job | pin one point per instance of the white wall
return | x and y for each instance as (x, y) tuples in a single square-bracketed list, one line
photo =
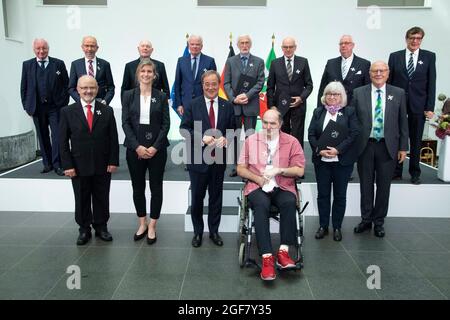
[(121, 25)]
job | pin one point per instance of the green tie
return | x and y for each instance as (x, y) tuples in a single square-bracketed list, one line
[(378, 119)]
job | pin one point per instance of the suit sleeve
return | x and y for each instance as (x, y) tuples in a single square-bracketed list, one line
[(259, 82), (403, 123), (308, 82), (110, 88), (127, 120), (165, 125), (187, 123), (177, 85), (366, 71), (164, 82), (64, 137), (272, 79), (65, 84), (125, 81), (73, 83), (431, 90), (391, 64), (114, 141), (227, 81), (24, 85), (213, 65), (312, 130), (323, 84)]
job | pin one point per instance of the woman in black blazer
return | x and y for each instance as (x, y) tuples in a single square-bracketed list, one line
[(334, 164), (146, 123)]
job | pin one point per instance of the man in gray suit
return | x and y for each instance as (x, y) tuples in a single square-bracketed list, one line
[(381, 111), (243, 81)]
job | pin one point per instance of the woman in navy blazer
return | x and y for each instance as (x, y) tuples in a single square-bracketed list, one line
[(146, 123), (333, 165)]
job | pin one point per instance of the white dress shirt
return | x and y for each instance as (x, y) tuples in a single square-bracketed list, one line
[(145, 109)]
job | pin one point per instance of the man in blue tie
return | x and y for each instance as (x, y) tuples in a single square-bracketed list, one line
[(383, 141), (414, 70)]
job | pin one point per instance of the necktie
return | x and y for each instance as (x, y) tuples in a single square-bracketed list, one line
[(42, 62), (378, 119), (411, 65), (289, 69), (212, 116), (91, 69), (90, 116), (194, 68), (344, 69), (244, 62)]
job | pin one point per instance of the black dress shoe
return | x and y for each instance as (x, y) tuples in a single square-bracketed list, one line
[(47, 169), (321, 232), (83, 238), (397, 178), (233, 173), (362, 227), (59, 172), (104, 235), (141, 236), (378, 231), (197, 240), (151, 241), (216, 239), (337, 235), (416, 180)]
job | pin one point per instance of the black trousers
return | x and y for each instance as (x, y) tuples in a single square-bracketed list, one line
[(375, 165), (294, 123), (332, 174), (44, 118), (285, 201), (213, 181), (138, 171), (92, 201), (416, 124)]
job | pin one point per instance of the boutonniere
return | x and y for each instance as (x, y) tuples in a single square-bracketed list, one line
[(58, 72), (99, 113), (340, 114), (390, 98), (353, 69), (251, 65), (153, 100), (297, 71), (420, 62)]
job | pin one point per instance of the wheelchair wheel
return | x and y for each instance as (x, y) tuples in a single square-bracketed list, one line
[(242, 254)]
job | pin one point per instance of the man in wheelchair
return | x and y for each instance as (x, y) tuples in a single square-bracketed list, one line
[(271, 160)]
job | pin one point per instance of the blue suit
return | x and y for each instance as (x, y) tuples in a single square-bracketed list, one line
[(185, 86), (103, 76), (205, 176), (43, 102)]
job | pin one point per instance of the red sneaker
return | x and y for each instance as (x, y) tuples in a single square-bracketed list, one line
[(284, 261), (268, 270)]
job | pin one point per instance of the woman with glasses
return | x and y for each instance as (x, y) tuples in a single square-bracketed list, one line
[(332, 133)]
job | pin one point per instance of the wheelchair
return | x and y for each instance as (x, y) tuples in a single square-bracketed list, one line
[(246, 229)]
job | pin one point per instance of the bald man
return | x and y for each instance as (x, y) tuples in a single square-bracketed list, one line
[(95, 67), (145, 50), (43, 91)]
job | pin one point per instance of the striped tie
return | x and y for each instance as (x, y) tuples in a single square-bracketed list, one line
[(344, 69), (91, 69), (411, 66), (378, 131), (289, 69)]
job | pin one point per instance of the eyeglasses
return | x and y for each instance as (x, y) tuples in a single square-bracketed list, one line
[(331, 94), (415, 38), (345, 43), (378, 71), (288, 47), (87, 88)]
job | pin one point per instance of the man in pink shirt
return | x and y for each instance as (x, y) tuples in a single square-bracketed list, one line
[(271, 160)]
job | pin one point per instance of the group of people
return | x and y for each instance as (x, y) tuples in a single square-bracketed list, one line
[(375, 108)]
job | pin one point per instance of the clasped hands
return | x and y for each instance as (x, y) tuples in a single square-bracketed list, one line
[(267, 175), (241, 99), (213, 142), (329, 153), (146, 153)]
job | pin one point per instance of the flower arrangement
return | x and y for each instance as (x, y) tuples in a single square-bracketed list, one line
[(442, 123)]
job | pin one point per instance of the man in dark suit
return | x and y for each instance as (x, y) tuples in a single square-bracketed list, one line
[(161, 83), (189, 71), (288, 86), (205, 122), (94, 67), (383, 141), (89, 154), (243, 81), (43, 90), (349, 69), (414, 70)]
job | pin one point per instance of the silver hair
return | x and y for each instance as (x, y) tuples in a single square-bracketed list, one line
[(336, 87)]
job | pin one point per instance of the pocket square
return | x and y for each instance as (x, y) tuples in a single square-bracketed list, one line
[(359, 72)]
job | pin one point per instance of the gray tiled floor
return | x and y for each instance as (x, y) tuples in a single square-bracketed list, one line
[(36, 249)]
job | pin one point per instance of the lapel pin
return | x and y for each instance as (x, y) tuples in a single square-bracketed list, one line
[(58, 72), (99, 112), (204, 70), (153, 100), (340, 114), (420, 62), (297, 71), (250, 65), (390, 98), (353, 69), (98, 68)]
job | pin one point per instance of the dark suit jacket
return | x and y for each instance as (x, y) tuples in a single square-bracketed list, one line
[(348, 153), (357, 76), (56, 86), (421, 89), (103, 76), (278, 82), (233, 70), (186, 88), (129, 77), (197, 112), (159, 118), (395, 118), (89, 153)]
